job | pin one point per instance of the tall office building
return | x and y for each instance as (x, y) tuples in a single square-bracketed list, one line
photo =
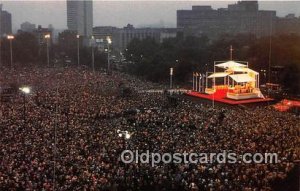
[(5, 22), (80, 17), (27, 27), (241, 17)]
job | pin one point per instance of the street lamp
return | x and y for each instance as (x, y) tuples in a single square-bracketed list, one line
[(10, 38), (93, 55), (78, 62), (25, 90), (47, 37), (265, 75), (171, 74), (109, 41), (171, 78), (0, 52)]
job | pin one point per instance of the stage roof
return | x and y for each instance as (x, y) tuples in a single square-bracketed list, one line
[(230, 64), (242, 78), (218, 75), (236, 69), (249, 70), (241, 69)]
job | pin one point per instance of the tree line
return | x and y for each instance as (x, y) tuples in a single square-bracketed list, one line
[(152, 60), (27, 51)]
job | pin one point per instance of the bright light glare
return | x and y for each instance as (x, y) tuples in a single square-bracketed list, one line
[(25, 90), (47, 36), (10, 37), (127, 136), (108, 40)]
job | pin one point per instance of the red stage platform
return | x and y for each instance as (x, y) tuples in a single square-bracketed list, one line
[(286, 104), (222, 99)]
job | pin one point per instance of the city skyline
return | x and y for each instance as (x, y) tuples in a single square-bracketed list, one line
[(120, 13)]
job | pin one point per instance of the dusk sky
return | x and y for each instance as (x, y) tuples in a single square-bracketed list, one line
[(120, 13)]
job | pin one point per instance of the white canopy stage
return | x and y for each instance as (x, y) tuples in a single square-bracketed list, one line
[(240, 82), (248, 70)]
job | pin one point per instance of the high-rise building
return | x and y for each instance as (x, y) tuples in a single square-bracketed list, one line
[(5, 22), (80, 17), (40, 34), (240, 18), (121, 37), (290, 24), (27, 27), (125, 35)]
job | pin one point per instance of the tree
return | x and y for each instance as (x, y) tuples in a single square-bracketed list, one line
[(291, 78), (24, 47), (197, 54)]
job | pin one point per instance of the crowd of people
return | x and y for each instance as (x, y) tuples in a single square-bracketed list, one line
[(63, 135)]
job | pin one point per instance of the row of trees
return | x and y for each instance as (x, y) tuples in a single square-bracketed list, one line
[(152, 60), (67, 45), (28, 51), (25, 50)]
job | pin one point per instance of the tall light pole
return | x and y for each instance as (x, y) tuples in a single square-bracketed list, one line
[(25, 90), (0, 51), (78, 60), (10, 38), (108, 62), (171, 78), (93, 56), (47, 37)]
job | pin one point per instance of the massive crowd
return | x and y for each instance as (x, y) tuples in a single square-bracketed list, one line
[(68, 140)]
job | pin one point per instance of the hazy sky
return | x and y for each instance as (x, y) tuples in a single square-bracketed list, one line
[(120, 13)]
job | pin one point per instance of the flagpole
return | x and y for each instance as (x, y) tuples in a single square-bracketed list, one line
[(200, 77), (202, 82), (193, 80), (206, 80), (196, 81)]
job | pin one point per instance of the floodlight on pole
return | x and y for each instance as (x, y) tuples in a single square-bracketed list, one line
[(93, 54), (47, 37), (109, 41), (78, 58), (171, 78), (10, 38), (25, 90)]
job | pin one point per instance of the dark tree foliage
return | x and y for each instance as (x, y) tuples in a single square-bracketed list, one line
[(152, 60), (68, 46), (25, 50)]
